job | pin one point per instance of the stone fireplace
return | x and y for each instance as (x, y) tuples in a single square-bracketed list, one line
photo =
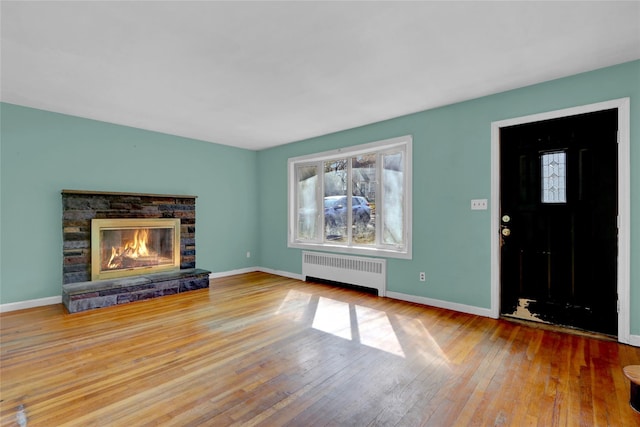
[(124, 247)]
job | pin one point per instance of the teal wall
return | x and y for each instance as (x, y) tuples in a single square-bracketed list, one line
[(451, 166), (43, 153), (242, 195)]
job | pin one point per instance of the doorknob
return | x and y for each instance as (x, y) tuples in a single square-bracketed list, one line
[(504, 228)]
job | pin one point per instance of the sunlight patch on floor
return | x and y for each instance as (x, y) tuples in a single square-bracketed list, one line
[(333, 317), (425, 345), (376, 331), (365, 325), (295, 304)]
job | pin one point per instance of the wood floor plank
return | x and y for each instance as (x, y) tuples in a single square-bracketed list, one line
[(263, 350)]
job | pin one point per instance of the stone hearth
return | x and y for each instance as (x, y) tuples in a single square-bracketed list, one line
[(83, 296)]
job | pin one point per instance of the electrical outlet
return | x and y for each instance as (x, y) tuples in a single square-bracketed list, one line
[(479, 204), (423, 277), (248, 254)]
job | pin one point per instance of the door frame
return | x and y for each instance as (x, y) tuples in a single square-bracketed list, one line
[(624, 203)]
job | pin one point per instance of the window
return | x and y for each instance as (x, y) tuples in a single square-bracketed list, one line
[(553, 167), (355, 200)]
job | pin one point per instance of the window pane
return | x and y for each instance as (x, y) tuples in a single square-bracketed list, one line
[(307, 177), (363, 184), (393, 199), (554, 177), (336, 215)]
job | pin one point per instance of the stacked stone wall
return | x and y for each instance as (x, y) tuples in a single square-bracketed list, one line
[(80, 207)]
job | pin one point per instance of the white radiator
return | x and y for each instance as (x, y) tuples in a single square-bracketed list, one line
[(352, 270)]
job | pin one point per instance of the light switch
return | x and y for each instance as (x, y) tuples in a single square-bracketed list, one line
[(479, 204)]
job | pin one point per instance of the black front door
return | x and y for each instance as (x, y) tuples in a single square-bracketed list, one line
[(559, 220)]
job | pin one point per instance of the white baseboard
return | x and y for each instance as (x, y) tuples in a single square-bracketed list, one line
[(20, 305), (634, 340), (252, 269), (232, 272), (281, 273), (463, 308)]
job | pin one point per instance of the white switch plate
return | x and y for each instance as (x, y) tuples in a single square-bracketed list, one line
[(479, 204)]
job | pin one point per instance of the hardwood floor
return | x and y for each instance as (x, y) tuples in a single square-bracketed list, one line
[(258, 349)]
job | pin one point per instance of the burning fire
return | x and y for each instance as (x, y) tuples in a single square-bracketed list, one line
[(137, 248)]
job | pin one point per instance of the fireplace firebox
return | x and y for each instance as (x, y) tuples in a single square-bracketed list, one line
[(122, 247)]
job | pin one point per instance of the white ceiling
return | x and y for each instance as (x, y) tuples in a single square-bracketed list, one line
[(260, 74)]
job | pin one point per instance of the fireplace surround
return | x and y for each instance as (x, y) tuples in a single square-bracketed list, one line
[(80, 207), (149, 250)]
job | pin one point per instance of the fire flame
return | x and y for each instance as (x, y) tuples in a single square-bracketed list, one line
[(132, 249), (139, 245)]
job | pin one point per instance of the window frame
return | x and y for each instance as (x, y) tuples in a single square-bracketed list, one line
[(387, 146)]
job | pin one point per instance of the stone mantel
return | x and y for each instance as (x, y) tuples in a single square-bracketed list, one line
[(115, 193)]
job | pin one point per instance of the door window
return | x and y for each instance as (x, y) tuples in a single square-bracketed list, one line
[(554, 188)]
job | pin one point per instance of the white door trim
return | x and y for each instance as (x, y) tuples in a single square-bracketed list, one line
[(624, 200)]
